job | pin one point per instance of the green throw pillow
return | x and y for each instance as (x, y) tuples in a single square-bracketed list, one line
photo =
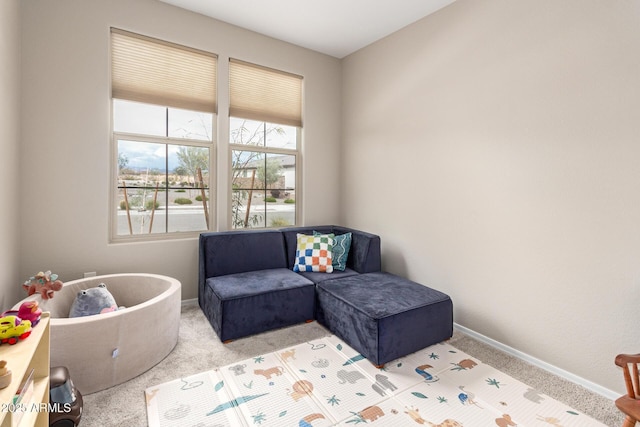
[(341, 246)]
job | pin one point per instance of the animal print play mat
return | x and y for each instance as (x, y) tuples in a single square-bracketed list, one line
[(327, 383)]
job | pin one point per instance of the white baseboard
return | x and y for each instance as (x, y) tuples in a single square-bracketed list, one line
[(605, 392), (189, 302)]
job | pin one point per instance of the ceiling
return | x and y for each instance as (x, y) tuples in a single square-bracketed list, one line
[(333, 27)]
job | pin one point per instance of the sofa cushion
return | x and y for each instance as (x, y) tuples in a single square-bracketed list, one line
[(321, 277), (314, 253), (230, 252), (248, 303), (251, 283)]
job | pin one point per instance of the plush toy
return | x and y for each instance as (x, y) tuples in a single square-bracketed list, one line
[(43, 283), (28, 310), (93, 301)]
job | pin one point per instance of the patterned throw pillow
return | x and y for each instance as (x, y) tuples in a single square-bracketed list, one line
[(314, 253), (341, 246)]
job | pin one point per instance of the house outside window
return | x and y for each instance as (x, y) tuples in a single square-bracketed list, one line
[(163, 115), (265, 125)]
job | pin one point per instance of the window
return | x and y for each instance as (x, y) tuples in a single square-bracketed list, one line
[(264, 136), (164, 107)]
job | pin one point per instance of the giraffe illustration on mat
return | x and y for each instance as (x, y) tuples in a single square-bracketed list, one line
[(414, 414)]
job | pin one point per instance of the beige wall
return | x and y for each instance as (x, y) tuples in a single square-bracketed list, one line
[(494, 146), (66, 133), (10, 289)]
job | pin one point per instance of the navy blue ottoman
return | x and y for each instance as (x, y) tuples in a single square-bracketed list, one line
[(384, 316)]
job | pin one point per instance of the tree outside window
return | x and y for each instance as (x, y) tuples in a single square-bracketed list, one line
[(264, 158)]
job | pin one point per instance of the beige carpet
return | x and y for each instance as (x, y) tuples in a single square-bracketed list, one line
[(200, 350)]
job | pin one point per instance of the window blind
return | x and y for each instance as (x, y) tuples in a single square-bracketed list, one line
[(264, 94), (153, 71)]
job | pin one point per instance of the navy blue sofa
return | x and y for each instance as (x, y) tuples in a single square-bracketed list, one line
[(247, 285)]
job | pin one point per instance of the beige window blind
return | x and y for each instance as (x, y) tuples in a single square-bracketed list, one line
[(153, 71), (265, 94)]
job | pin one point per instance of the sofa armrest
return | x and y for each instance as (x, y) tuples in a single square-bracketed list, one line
[(364, 255)]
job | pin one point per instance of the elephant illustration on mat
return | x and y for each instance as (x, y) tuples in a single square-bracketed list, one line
[(349, 376), (382, 383)]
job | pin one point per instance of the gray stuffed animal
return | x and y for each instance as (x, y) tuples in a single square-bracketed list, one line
[(93, 301)]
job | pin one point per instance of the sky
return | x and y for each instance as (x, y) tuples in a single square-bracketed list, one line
[(145, 119)]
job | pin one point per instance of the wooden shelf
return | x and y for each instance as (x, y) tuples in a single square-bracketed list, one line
[(30, 353)]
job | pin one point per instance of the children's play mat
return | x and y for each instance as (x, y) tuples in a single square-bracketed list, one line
[(327, 383)]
